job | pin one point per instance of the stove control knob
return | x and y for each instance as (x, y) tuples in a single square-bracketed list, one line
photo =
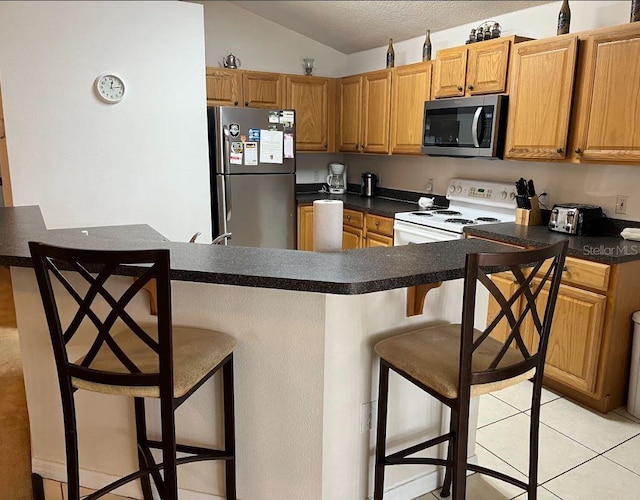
[(503, 195), (512, 196), (452, 188), (459, 190)]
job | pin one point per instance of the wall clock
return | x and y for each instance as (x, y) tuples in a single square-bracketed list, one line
[(110, 88)]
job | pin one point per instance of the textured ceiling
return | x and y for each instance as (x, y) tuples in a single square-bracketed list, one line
[(352, 26)]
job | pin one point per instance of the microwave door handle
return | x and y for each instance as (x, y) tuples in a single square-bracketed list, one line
[(474, 126)]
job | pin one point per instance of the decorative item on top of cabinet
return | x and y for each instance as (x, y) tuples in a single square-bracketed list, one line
[(564, 18), (313, 99), (607, 108), (234, 87), (391, 55), (231, 62), (426, 47), (364, 107), (479, 68), (635, 11), (410, 88), (308, 65), (537, 128)]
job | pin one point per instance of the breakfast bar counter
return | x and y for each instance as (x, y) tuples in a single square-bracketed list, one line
[(305, 323)]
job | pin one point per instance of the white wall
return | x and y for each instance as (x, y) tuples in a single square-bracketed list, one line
[(84, 162), (597, 184), (263, 45)]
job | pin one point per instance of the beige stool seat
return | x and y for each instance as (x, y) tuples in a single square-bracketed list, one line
[(195, 353), (432, 356)]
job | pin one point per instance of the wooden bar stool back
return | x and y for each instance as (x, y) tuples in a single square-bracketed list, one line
[(126, 358), (454, 363)]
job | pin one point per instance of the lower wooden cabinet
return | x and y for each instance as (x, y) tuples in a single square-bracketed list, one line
[(589, 351), (305, 227), (359, 230)]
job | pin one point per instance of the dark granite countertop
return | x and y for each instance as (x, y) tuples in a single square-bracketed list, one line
[(351, 272), (375, 205), (605, 249)]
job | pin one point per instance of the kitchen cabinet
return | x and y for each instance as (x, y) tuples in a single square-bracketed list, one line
[(363, 112), (352, 229), (607, 117), (313, 99), (540, 94), (379, 231), (305, 227), (589, 349), (478, 68), (410, 88), (233, 87)]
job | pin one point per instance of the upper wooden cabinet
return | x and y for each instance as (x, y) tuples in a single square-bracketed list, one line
[(540, 92), (363, 112), (479, 68), (232, 87), (313, 99), (410, 88), (608, 101)]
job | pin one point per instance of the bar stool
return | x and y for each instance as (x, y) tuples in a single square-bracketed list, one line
[(126, 358), (456, 362)]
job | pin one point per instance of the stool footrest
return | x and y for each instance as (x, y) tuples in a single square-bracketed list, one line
[(195, 450), (497, 475), (420, 446)]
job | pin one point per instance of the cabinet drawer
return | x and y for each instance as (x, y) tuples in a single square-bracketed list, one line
[(378, 224), (353, 218), (584, 273)]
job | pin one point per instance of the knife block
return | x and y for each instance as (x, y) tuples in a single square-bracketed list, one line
[(529, 216)]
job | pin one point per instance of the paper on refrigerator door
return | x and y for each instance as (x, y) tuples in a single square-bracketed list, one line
[(271, 146), (288, 146), (250, 153)]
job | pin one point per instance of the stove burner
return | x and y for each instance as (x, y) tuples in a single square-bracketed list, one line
[(459, 221), (448, 212), (487, 219), (423, 214)]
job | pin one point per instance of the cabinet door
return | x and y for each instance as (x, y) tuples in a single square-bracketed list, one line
[(349, 110), (377, 240), (541, 89), (487, 67), (309, 96), (410, 88), (224, 87), (576, 334), (351, 237), (450, 72), (305, 228), (609, 123), (376, 89), (262, 90)]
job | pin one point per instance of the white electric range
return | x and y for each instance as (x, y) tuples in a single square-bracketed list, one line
[(471, 203)]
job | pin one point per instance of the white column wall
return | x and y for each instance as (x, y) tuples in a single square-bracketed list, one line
[(143, 160)]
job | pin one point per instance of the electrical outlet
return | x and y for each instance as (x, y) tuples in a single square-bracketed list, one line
[(621, 204), (544, 196), (367, 415), (316, 176)]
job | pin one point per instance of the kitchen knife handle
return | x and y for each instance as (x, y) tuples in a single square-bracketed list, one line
[(474, 127)]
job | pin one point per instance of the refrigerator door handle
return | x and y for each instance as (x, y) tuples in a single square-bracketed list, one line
[(224, 151), (225, 203)]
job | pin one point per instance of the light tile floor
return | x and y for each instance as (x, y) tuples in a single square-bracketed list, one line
[(584, 455)]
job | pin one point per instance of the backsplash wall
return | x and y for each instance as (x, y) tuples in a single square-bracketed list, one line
[(565, 182)]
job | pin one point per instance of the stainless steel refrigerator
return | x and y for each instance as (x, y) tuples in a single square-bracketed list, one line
[(252, 171)]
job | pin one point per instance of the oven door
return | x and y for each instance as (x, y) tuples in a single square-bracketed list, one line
[(406, 233)]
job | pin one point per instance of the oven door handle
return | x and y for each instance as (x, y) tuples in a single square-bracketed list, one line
[(475, 126)]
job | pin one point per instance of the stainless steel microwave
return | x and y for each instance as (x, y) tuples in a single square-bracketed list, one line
[(465, 127)]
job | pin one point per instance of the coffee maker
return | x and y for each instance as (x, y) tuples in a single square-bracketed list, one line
[(337, 178)]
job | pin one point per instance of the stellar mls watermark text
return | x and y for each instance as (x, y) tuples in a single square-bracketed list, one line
[(611, 251)]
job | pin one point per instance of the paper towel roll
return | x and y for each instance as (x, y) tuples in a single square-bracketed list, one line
[(327, 226)]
